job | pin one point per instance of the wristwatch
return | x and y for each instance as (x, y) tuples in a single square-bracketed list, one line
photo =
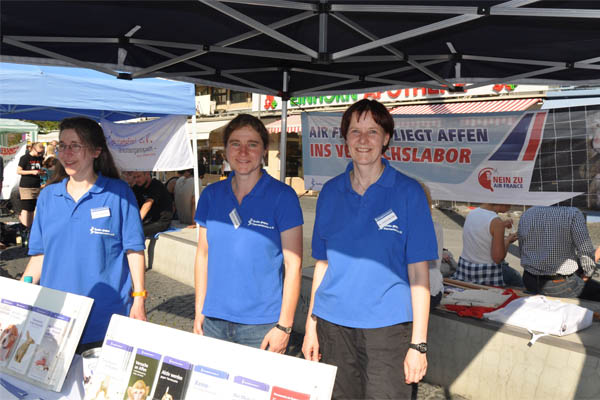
[(283, 328), (421, 347)]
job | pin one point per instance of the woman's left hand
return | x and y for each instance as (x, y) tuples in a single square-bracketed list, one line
[(275, 340), (138, 309), (415, 366)]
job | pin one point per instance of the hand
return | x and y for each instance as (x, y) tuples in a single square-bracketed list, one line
[(138, 309), (198, 323), (275, 340), (508, 223), (415, 366), (310, 346), (512, 237)]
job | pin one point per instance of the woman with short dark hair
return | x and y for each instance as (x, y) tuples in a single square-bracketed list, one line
[(372, 238), (249, 255)]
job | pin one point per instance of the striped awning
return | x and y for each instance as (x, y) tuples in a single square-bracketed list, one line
[(471, 107), (293, 125)]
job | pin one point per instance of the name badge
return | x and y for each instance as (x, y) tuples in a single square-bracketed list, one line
[(235, 218), (386, 218), (100, 212)]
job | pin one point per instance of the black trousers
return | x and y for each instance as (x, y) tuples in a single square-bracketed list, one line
[(370, 361)]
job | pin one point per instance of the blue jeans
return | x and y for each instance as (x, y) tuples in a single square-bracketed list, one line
[(568, 286), (510, 276), (249, 335)]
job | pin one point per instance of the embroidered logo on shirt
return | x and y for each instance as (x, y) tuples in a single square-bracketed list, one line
[(260, 224), (392, 227), (100, 231)]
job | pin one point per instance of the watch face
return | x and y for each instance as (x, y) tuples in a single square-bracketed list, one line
[(421, 347)]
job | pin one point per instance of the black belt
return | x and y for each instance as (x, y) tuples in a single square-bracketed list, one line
[(556, 277)]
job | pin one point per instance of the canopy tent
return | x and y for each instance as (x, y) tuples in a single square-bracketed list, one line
[(53, 93), (16, 126), (295, 48)]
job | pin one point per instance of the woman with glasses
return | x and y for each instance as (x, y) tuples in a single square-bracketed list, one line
[(87, 234), (249, 255)]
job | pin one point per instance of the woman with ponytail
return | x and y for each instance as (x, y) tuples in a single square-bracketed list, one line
[(87, 234)]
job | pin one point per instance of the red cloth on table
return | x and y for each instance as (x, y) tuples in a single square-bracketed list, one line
[(478, 311)]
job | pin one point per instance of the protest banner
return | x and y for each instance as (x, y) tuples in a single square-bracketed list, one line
[(472, 157)]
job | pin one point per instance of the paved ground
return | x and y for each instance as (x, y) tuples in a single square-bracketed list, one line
[(171, 303)]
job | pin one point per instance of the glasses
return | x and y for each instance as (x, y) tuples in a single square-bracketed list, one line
[(74, 147)]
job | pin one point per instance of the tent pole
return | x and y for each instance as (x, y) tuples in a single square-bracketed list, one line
[(195, 150), (283, 135)]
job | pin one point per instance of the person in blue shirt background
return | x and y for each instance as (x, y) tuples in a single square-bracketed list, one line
[(250, 231), (372, 239), (87, 234)]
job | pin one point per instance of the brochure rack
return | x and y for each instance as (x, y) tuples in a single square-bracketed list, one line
[(157, 362), (39, 332)]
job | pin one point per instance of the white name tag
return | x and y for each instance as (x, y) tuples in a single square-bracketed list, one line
[(386, 218), (100, 212), (235, 218)]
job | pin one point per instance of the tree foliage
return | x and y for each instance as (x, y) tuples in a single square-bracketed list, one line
[(46, 126)]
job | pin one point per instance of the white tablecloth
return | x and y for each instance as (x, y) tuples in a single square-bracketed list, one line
[(72, 388)]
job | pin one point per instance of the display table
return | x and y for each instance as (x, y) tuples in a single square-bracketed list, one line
[(72, 388)]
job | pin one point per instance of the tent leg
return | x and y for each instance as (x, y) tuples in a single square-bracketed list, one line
[(195, 150), (283, 138)]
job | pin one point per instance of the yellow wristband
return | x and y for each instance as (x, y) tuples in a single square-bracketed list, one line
[(143, 293)]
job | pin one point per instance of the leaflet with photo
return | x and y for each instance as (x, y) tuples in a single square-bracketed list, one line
[(172, 379), (143, 372), (14, 314), (44, 359), (110, 375), (31, 337)]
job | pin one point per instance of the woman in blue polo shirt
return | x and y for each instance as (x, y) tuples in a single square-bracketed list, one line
[(250, 234), (87, 235), (372, 238)]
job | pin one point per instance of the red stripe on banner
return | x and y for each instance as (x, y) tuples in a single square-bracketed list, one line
[(536, 137)]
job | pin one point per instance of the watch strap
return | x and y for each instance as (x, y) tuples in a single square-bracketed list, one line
[(283, 328), (420, 347)]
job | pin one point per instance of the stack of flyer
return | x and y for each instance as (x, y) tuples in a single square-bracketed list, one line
[(39, 332), (141, 360)]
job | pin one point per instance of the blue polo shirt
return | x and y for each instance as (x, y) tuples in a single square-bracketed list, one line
[(84, 245), (368, 242), (245, 274)]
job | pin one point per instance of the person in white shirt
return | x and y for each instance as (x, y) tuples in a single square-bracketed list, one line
[(485, 246)]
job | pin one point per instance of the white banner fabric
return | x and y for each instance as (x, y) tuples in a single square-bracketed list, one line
[(157, 145), (10, 157), (477, 158)]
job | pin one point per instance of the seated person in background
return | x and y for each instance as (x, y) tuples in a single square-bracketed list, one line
[(484, 248), (170, 183), (557, 253), (436, 280), (185, 202), (156, 205)]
